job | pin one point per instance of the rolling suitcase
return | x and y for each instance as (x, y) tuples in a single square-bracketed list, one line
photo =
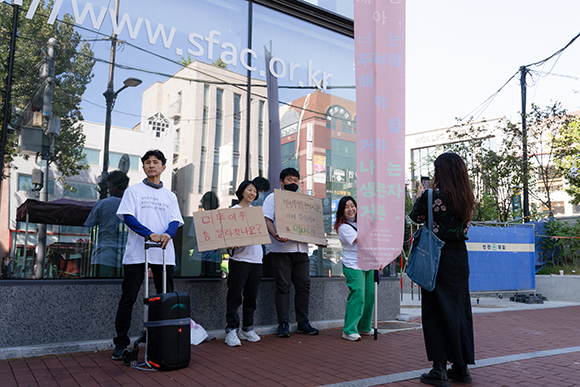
[(166, 328), (168, 342)]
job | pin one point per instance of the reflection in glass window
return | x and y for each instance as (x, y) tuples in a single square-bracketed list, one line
[(236, 152), (25, 184), (288, 155), (205, 119), (115, 158), (218, 139), (80, 191), (260, 138), (341, 7), (93, 156), (343, 154), (158, 124)]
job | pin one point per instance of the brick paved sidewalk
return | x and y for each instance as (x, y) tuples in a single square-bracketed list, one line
[(516, 336)]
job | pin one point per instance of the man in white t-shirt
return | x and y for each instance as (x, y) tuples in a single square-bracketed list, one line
[(150, 211), (290, 263)]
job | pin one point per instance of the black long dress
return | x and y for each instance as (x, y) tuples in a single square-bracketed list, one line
[(446, 311)]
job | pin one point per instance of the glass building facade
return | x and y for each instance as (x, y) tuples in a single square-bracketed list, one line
[(206, 67)]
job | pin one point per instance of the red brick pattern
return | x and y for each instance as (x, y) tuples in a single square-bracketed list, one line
[(305, 360)]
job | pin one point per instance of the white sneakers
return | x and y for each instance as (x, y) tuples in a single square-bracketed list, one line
[(352, 337), (249, 335), (233, 337), (369, 333)]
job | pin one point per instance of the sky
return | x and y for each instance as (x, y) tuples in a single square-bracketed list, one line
[(460, 53)]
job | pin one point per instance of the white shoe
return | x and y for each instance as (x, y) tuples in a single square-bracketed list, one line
[(249, 335), (352, 337), (369, 333), (232, 339)]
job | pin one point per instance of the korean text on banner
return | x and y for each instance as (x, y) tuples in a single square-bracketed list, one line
[(228, 228), (299, 217), (379, 37)]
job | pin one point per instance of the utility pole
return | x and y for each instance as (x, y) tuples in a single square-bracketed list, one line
[(109, 99), (526, 204), (6, 120), (46, 73), (249, 94)]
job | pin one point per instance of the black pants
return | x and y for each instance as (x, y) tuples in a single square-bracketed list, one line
[(243, 279), (131, 285), (291, 268), (446, 311)]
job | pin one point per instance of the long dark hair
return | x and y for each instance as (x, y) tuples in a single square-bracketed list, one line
[(340, 218), (452, 179)]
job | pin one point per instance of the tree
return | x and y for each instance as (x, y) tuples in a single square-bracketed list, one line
[(567, 141), (494, 166), (544, 128), (496, 170), (73, 71)]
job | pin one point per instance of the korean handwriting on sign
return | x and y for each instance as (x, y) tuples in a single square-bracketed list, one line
[(233, 232)]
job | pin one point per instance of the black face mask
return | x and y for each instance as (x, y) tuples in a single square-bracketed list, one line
[(291, 187)]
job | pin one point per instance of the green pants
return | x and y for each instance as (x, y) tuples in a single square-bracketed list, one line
[(361, 298)]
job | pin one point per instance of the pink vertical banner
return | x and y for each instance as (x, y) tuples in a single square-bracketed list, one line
[(379, 37)]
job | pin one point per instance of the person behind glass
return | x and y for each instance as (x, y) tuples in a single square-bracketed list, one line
[(361, 297), (108, 252), (151, 212), (263, 186), (245, 273), (290, 263), (446, 311)]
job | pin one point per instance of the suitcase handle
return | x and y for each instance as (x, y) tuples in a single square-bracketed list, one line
[(149, 245)]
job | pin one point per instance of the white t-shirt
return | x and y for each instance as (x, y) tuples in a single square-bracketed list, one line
[(346, 236), (269, 209), (250, 254), (154, 209)]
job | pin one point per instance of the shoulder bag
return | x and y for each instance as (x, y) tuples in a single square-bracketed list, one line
[(425, 252)]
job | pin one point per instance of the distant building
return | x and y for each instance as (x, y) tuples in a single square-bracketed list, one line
[(19, 186), (207, 108), (423, 147)]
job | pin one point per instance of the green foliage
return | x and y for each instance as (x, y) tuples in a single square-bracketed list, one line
[(495, 172), (544, 125), (567, 269), (186, 61), (219, 63), (561, 245), (498, 173), (567, 141), (73, 71)]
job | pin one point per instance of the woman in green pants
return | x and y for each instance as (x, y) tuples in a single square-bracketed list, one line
[(360, 301)]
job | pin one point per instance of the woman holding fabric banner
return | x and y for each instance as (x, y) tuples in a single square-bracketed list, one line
[(446, 311), (245, 274), (361, 296)]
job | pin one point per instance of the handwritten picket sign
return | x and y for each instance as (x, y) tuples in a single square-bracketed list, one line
[(299, 217), (232, 227)]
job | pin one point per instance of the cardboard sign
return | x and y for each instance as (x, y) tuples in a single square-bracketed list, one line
[(232, 227), (299, 217)]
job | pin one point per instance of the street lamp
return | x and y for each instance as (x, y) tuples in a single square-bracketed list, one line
[(110, 97)]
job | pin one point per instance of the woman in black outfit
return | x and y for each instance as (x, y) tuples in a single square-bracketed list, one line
[(446, 311)]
